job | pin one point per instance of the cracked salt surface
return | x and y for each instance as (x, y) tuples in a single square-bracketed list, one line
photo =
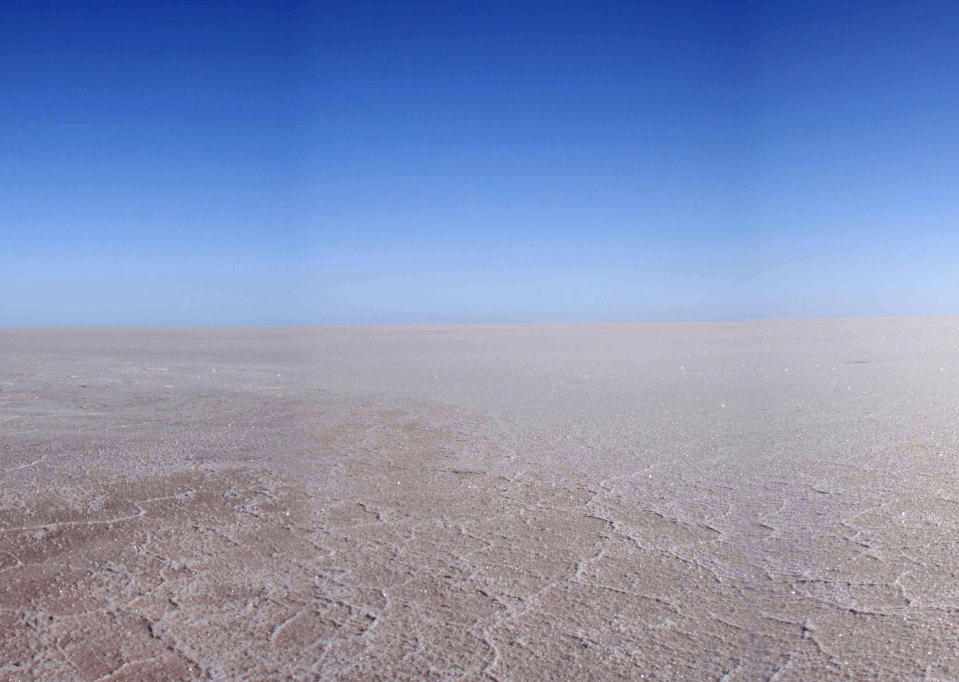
[(499, 502)]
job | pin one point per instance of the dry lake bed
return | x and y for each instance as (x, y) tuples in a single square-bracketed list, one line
[(740, 501)]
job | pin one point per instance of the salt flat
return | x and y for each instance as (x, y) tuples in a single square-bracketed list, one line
[(591, 501)]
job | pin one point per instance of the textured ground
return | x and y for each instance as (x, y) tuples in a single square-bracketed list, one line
[(677, 501)]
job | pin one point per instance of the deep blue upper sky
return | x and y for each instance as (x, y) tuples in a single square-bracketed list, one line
[(249, 163)]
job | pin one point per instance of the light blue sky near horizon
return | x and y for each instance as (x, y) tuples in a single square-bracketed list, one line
[(300, 163)]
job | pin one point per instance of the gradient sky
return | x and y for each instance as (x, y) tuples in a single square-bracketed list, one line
[(296, 162)]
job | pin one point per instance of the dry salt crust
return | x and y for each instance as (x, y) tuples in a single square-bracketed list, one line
[(774, 499)]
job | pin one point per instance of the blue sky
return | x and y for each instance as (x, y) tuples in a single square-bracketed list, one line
[(283, 163)]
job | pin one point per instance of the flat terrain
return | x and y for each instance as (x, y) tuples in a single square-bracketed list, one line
[(675, 501)]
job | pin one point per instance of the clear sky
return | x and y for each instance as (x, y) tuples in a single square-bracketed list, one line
[(296, 162)]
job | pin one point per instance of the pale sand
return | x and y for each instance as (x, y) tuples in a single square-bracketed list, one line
[(680, 501)]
